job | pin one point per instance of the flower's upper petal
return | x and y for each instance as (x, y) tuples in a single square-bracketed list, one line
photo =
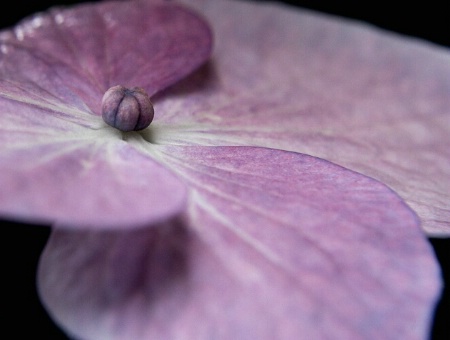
[(91, 47), (275, 245), (295, 80), (87, 184)]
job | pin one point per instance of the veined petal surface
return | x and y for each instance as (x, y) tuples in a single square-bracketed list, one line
[(366, 99), (273, 245)]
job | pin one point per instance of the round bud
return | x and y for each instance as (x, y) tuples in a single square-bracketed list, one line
[(127, 109)]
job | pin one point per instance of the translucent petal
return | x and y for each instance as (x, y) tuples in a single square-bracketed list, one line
[(366, 99), (273, 245)]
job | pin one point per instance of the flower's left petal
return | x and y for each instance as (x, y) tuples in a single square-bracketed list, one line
[(87, 184), (274, 245), (92, 47)]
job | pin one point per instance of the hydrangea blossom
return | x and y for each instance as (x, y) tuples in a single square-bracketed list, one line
[(211, 223)]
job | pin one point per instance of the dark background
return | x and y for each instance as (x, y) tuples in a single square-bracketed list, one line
[(22, 244)]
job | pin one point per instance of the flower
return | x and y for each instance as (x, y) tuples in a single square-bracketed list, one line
[(210, 223)]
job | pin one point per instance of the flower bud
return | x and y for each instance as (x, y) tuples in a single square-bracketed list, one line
[(127, 109)]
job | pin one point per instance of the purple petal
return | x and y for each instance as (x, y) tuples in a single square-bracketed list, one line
[(274, 245), (87, 184), (296, 80), (91, 47)]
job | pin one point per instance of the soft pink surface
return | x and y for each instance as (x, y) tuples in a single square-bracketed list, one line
[(242, 242), (326, 254), (368, 100)]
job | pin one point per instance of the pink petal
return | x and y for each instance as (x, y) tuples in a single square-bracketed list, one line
[(274, 245), (363, 98), (87, 184), (91, 47)]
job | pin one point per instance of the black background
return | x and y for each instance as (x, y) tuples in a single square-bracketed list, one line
[(22, 244)]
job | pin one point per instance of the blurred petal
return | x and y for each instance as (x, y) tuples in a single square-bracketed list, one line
[(296, 80), (91, 47), (276, 245), (87, 184)]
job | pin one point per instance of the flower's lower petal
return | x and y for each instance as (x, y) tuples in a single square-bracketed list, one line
[(87, 184), (274, 245), (296, 80)]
